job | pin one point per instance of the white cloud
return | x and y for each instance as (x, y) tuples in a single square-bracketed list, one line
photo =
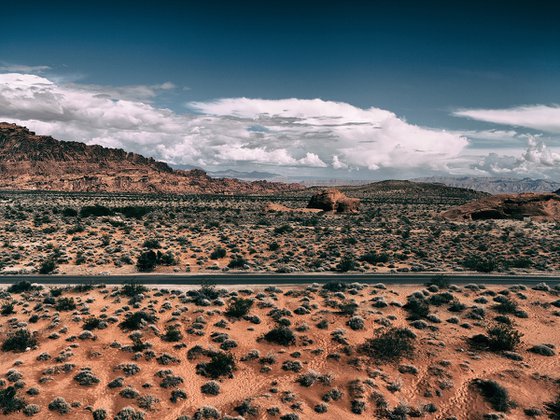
[(284, 133), (537, 161), (538, 117), (340, 133)]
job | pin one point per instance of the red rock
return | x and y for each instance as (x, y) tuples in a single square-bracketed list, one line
[(537, 207)]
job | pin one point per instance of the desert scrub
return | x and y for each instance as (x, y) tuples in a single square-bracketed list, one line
[(136, 320), (19, 341), (9, 401), (86, 378), (31, 409), (239, 307), (210, 388), (495, 394), (172, 334), (220, 364), (129, 413), (59, 405), (280, 335), (390, 344)]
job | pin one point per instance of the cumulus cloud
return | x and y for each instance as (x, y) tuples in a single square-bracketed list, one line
[(537, 161), (538, 117), (339, 133), (283, 133)]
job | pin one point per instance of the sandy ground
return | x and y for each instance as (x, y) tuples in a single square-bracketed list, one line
[(444, 362)]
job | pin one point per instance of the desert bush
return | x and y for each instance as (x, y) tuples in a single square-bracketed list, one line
[(7, 309), (172, 334), (65, 304), (31, 409), (553, 408), (218, 253), (374, 258), (9, 401), (239, 307), (220, 364), (417, 308), (134, 321), (210, 388), (47, 266), (129, 413), (500, 337), (20, 287), (237, 262), (59, 405), (147, 261), (86, 378), (347, 263), (281, 335), (132, 288), (495, 394), (19, 341), (390, 344)]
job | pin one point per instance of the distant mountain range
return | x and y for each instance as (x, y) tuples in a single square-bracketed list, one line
[(32, 162), (495, 185)]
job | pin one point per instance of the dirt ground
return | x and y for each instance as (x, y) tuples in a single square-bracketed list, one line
[(436, 380)]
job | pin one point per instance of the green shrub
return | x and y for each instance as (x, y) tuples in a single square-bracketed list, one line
[(172, 334), (239, 307), (19, 341), (495, 394), (417, 308), (147, 261), (9, 402), (218, 253), (220, 364), (281, 335), (20, 287), (47, 266), (132, 288), (133, 321), (390, 344), (374, 258), (65, 304)]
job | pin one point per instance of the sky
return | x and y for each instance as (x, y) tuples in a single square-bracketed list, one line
[(345, 90)]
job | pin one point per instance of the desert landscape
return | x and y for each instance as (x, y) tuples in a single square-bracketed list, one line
[(323, 351), (281, 210)]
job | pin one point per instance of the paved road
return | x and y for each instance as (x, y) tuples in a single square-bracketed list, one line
[(273, 279)]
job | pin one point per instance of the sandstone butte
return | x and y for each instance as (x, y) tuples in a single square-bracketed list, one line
[(536, 207), (33, 162), (334, 200)]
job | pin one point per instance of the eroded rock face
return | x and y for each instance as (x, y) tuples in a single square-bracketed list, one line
[(334, 200), (537, 207), (32, 162)]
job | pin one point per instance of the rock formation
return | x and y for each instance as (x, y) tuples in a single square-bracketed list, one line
[(32, 162), (334, 200), (537, 207)]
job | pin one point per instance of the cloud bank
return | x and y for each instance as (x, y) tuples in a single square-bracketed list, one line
[(282, 133), (537, 117)]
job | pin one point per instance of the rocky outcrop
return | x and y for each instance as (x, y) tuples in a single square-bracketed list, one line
[(32, 162), (537, 207), (334, 200)]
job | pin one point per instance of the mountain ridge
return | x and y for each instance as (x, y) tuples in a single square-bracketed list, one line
[(33, 162)]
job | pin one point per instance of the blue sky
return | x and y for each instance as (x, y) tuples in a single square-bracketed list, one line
[(429, 66)]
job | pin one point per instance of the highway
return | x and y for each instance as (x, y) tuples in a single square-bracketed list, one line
[(240, 279)]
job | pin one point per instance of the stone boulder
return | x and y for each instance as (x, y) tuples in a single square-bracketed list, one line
[(334, 200), (536, 207)]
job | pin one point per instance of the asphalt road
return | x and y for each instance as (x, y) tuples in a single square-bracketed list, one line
[(277, 279)]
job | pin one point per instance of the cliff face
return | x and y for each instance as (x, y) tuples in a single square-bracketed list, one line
[(32, 162), (539, 207)]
